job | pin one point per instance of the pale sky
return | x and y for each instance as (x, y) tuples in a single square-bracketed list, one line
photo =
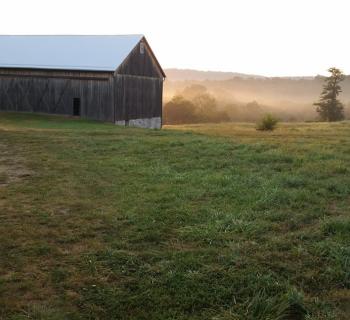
[(267, 37)]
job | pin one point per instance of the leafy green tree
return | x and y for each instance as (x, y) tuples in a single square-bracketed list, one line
[(329, 107)]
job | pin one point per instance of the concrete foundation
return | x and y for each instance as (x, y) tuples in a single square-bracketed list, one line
[(120, 123), (150, 123)]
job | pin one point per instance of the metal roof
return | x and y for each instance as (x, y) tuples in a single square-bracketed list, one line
[(88, 53)]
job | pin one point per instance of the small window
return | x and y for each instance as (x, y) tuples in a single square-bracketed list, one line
[(142, 48), (76, 107)]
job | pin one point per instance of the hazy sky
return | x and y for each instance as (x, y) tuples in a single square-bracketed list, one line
[(268, 37)]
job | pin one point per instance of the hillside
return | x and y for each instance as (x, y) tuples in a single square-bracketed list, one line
[(197, 75), (288, 97), (201, 222)]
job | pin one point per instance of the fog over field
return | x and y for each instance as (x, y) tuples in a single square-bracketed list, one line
[(246, 97)]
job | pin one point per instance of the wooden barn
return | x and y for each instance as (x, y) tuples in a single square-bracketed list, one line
[(108, 78)]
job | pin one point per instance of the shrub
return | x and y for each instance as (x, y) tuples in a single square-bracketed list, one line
[(267, 123)]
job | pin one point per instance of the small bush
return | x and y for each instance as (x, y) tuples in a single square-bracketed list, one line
[(267, 123)]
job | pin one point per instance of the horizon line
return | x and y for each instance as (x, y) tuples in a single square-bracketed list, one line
[(245, 74)]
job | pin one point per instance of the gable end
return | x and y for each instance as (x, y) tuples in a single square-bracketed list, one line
[(141, 62)]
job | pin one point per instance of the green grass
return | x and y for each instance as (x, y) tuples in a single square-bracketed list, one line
[(202, 222)]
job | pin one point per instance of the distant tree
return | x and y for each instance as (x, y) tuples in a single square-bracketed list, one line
[(253, 106), (179, 111), (253, 111), (193, 90), (233, 111), (206, 106), (207, 110), (329, 107)]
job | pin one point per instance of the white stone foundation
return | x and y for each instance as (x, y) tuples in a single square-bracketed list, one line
[(150, 123), (120, 123)]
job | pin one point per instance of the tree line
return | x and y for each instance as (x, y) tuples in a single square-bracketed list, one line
[(195, 104)]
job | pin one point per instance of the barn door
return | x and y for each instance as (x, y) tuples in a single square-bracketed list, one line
[(76, 106)]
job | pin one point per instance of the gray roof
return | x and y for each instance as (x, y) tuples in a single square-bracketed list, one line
[(94, 53)]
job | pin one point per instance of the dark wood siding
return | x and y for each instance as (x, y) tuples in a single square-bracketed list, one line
[(138, 97), (54, 91), (139, 85), (139, 64)]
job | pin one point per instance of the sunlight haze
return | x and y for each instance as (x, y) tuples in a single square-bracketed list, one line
[(271, 37)]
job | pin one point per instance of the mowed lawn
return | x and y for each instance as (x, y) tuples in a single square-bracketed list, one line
[(189, 222)]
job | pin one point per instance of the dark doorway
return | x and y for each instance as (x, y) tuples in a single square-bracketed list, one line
[(76, 107)]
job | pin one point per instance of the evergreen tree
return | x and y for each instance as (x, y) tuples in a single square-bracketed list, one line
[(329, 107)]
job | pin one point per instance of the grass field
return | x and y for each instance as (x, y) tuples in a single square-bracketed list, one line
[(190, 222)]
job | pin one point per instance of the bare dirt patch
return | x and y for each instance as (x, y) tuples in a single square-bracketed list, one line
[(12, 168)]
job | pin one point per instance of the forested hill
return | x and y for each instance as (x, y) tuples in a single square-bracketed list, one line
[(189, 74), (174, 74), (288, 97), (245, 88)]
